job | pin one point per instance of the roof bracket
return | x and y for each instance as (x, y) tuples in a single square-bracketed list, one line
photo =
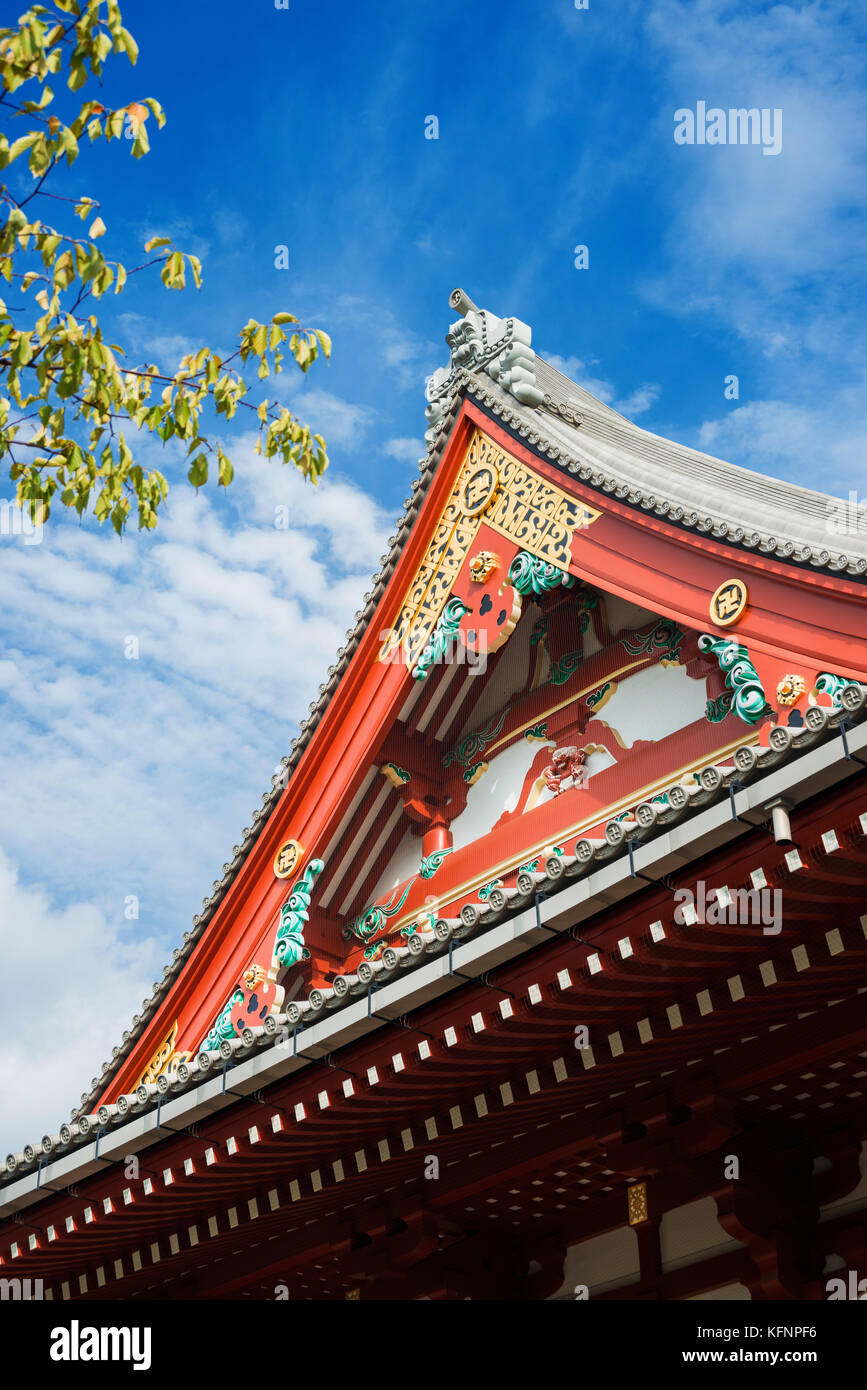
[(664, 882), (184, 1129), (476, 979), (845, 725), (543, 926), (734, 787), (399, 1019)]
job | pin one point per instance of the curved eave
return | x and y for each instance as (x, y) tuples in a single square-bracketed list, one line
[(800, 764), (572, 445)]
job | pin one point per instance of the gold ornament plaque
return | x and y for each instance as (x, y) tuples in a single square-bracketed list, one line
[(288, 858), (791, 688), (516, 502), (636, 1201), (729, 603), (482, 566)]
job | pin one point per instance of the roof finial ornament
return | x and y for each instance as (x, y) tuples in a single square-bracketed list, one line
[(480, 341), (460, 301)]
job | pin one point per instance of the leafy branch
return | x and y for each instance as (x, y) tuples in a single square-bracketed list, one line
[(73, 443)]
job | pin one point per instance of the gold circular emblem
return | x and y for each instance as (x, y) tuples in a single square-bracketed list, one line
[(288, 858), (729, 603), (479, 489)]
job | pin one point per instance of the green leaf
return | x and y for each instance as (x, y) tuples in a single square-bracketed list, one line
[(124, 42), (227, 472), (198, 472)]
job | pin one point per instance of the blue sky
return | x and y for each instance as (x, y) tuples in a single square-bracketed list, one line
[(306, 127)]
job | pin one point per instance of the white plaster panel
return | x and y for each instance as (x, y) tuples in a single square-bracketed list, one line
[(654, 703), (403, 865), (603, 1262), (692, 1233), (496, 791)]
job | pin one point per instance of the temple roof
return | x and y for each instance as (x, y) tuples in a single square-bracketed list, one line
[(579, 432), (492, 363), (795, 765)]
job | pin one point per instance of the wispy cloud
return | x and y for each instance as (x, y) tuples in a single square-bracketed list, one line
[(636, 403), (149, 689), (407, 450)]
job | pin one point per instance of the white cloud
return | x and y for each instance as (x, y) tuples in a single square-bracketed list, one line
[(406, 450), (72, 978), (761, 242), (639, 401), (822, 445), (578, 371), (137, 776), (409, 358)]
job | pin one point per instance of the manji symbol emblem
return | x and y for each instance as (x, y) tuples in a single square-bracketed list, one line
[(479, 489), (288, 858), (513, 500), (729, 603)]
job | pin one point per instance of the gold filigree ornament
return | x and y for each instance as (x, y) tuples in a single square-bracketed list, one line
[(636, 1200), (482, 566), (514, 501), (790, 689), (166, 1058)]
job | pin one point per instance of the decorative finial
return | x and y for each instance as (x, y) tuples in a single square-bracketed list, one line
[(482, 342), (461, 302)]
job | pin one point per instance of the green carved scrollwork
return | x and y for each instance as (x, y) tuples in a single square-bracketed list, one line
[(467, 751), (719, 709), (540, 631), (586, 601), (564, 667), (431, 862), (832, 685), (289, 947), (487, 888), (222, 1027), (530, 575), (442, 637), (531, 866), (373, 919), (663, 641), (748, 693), (595, 696)]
